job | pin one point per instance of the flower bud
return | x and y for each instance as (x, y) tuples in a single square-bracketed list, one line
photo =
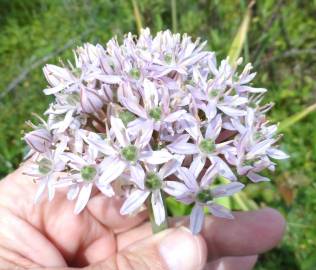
[(56, 75), (90, 101), (40, 140)]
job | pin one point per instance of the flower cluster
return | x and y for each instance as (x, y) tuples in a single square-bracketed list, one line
[(152, 117)]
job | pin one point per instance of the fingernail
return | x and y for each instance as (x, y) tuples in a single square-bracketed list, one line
[(181, 250)]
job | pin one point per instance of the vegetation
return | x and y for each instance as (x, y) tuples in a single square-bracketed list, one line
[(280, 43)]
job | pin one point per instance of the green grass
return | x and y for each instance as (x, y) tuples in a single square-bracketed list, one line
[(281, 43)]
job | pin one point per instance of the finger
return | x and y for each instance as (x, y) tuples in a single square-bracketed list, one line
[(107, 212), (249, 233), (171, 249), (233, 263), (20, 243), (136, 234)]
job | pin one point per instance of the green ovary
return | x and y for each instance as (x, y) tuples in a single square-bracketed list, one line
[(204, 196), (152, 181), (168, 58), (88, 173), (129, 153), (207, 146), (135, 73), (73, 98), (155, 113), (126, 117), (214, 93), (45, 166)]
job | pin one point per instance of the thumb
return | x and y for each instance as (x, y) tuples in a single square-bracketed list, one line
[(172, 249)]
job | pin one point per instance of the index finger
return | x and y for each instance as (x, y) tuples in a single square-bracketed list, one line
[(250, 233)]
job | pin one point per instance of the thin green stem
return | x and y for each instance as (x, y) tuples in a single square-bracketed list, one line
[(241, 203), (156, 228), (296, 118), (246, 47), (174, 16), (137, 15)]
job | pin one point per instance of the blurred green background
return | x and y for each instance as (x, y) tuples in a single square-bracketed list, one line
[(281, 43)]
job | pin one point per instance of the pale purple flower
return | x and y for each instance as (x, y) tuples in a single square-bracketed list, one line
[(245, 78), (213, 95), (203, 195), (84, 174), (254, 147), (155, 110), (124, 153), (154, 183), (171, 53), (46, 168), (205, 147)]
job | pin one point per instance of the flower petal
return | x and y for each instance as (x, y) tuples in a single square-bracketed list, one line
[(220, 211), (188, 178), (138, 175), (227, 189), (196, 219), (73, 158), (245, 88), (259, 148), (120, 131), (73, 192), (54, 90), (83, 198), (145, 135), (209, 175), (66, 122), (156, 157), (134, 107), (169, 168), (197, 165), (172, 117), (231, 111), (158, 207), (277, 154), (41, 189), (106, 189), (223, 168), (112, 168), (183, 148), (214, 128), (150, 94), (134, 201), (254, 177), (174, 188), (110, 79)]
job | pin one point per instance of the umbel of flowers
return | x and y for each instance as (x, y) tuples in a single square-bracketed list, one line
[(152, 117)]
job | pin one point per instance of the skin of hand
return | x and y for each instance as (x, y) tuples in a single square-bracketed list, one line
[(49, 236)]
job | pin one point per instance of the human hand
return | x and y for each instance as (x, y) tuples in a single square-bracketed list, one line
[(49, 235)]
